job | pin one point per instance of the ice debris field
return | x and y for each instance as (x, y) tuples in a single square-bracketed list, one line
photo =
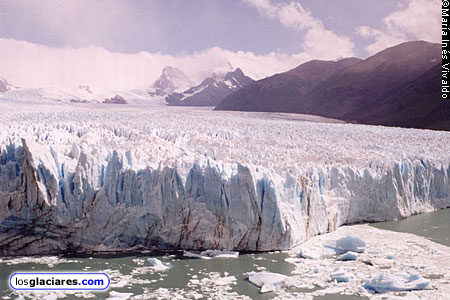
[(89, 178), (389, 266)]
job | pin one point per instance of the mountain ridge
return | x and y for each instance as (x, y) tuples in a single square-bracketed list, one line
[(289, 86), (351, 93), (211, 90)]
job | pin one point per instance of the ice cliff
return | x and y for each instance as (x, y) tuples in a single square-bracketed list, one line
[(165, 178)]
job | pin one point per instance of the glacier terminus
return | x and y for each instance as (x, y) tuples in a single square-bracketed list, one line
[(88, 178)]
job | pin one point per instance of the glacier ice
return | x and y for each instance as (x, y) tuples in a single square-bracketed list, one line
[(157, 265), (346, 244), (270, 282), (341, 275), (208, 254), (397, 282), (348, 256), (94, 179), (113, 295)]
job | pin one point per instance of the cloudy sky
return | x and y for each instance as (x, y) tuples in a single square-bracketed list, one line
[(125, 44)]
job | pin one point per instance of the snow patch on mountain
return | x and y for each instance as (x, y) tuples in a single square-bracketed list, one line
[(210, 91), (172, 79)]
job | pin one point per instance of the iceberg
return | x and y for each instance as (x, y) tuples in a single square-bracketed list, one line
[(113, 295), (225, 280), (340, 275), (348, 256), (208, 254), (157, 265), (397, 283), (346, 244), (271, 282)]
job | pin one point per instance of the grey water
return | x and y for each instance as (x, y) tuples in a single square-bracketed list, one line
[(435, 226), (194, 278), (176, 279)]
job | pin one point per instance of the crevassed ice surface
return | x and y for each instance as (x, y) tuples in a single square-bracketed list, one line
[(90, 177)]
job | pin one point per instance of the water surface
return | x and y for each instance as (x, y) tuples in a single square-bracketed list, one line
[(132, 274), (433, 225)]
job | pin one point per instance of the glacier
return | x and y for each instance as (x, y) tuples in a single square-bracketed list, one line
[(90, 178)]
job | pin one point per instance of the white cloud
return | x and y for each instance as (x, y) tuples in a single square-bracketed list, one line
[(419, 20), (31, 65), (318, 42)]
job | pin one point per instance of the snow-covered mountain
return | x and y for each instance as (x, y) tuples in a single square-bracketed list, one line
[(49, 94), (79, 94), (77, 179), (211, 91), (171, 80), (4, 85)]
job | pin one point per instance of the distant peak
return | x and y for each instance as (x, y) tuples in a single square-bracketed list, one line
[(4, 85), (236, 73), (171, 70)]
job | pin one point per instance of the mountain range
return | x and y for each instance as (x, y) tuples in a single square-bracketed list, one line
[(210, 91), (398, 86)]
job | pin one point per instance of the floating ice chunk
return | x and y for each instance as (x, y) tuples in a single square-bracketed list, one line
[(316, 253), (50, 297), (194, 255), (119, 296), (348, 256), (397, 282), (315, 274), (220, 254), (225, 280), (120, 284), (208, 254), (310, 253), (348, 243), (270, 282), (292, 260), (157, 264), (340, 275)]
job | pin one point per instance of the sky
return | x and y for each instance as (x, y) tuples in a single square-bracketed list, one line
[(120, 44)]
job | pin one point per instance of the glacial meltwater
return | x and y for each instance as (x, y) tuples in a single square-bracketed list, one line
[(433, 225), (187, 278)]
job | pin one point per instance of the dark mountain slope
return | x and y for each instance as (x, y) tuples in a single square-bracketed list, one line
[(417, 104), (358, 89), (398, 86), (279, 92)]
